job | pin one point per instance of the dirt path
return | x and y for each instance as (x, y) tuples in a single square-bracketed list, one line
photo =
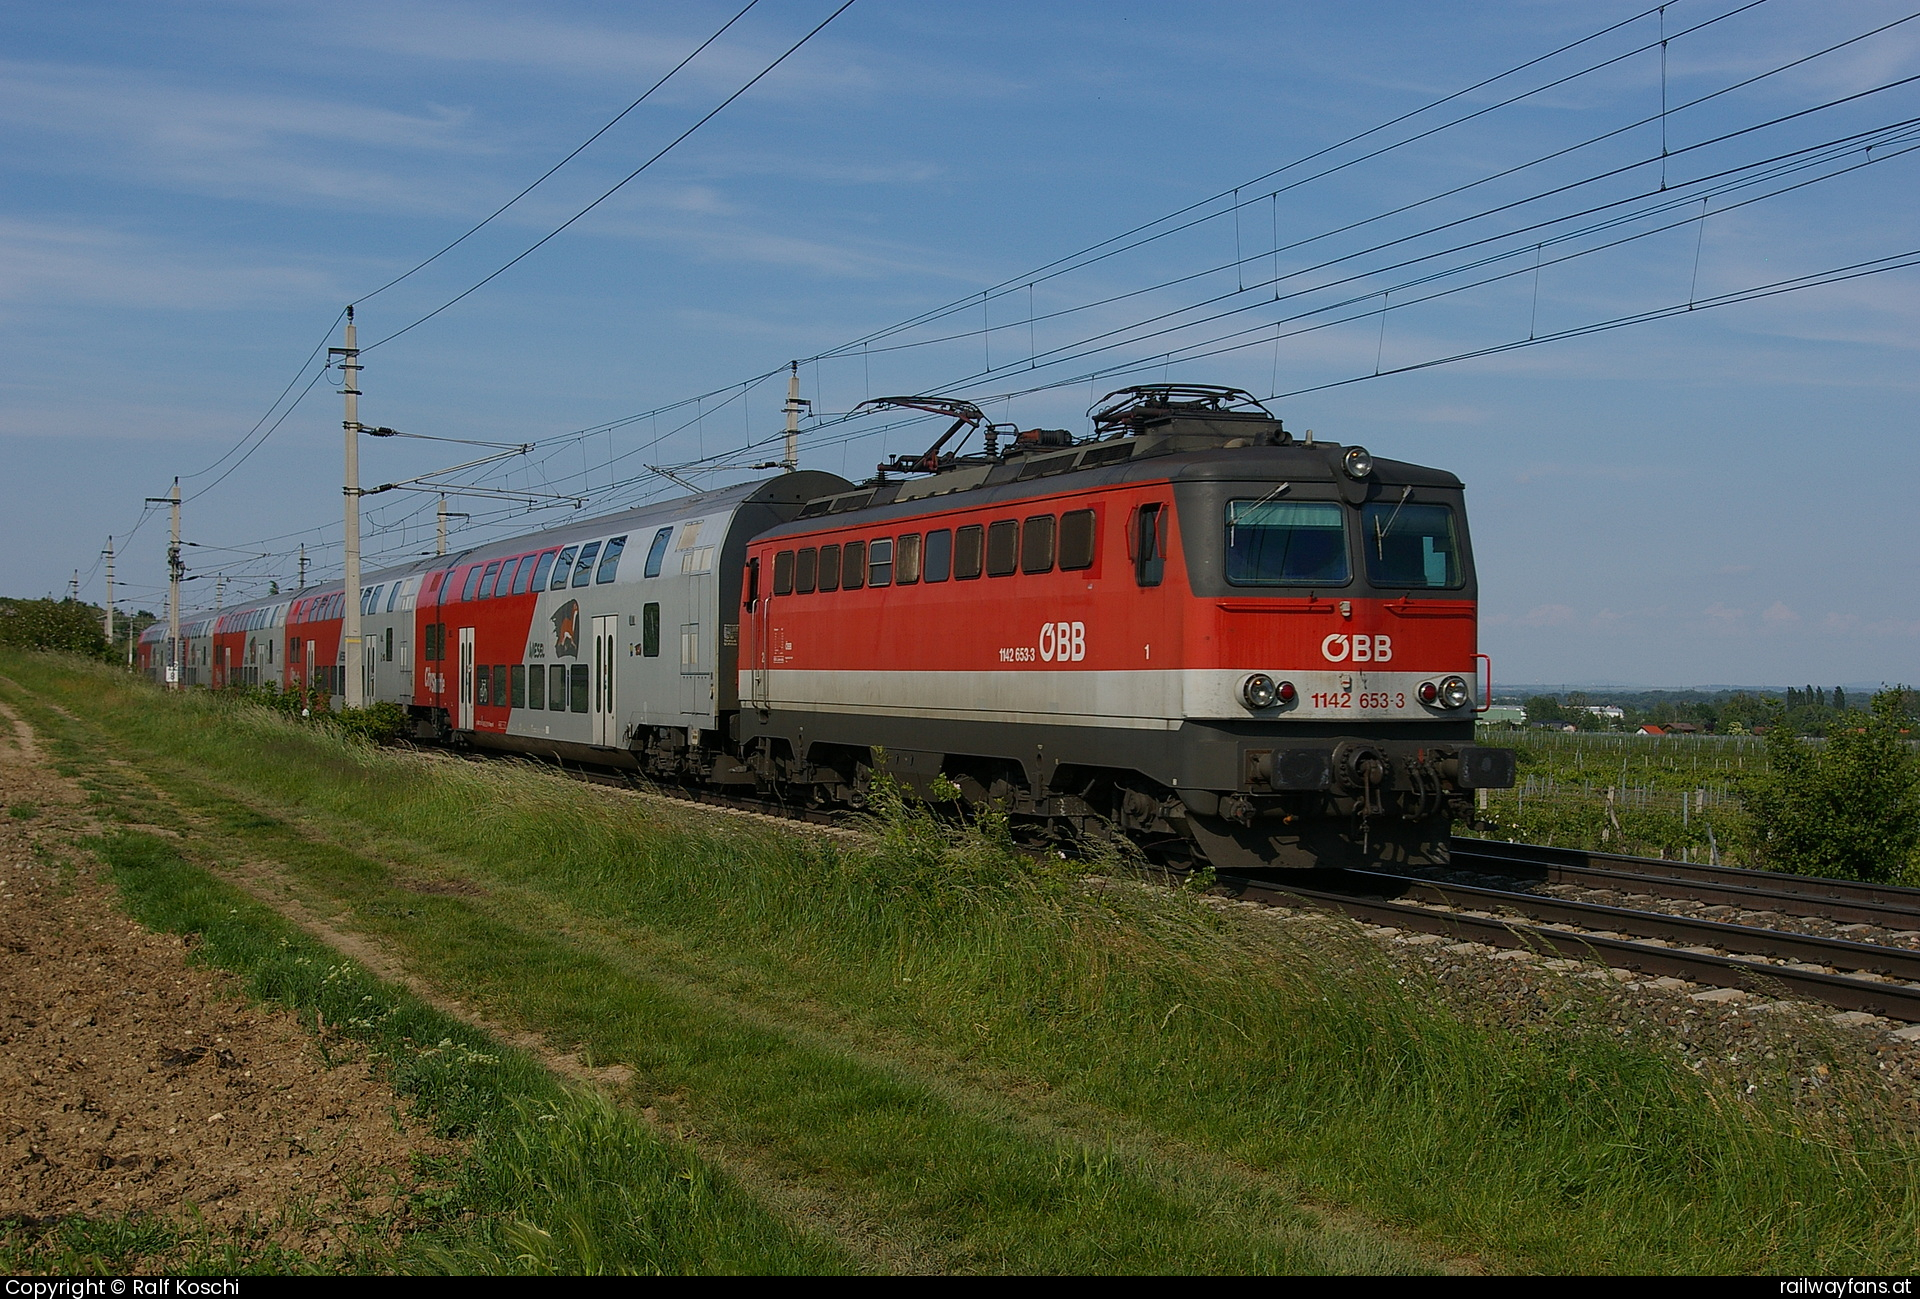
[(133, 1082)]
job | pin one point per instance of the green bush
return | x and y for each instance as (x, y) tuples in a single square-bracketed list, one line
[(1849, 808), (64, 625)]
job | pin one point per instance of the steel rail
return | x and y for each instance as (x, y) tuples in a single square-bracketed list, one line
[(1889, 906), (1893, 1000), (1750, 940)]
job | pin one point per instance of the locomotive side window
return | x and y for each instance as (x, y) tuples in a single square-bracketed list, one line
[(583, 571), (880, 562), (906, 565), (783, 573), (650, 631), (610, 561), (1076, 539), (1149, 549), (540, 572), (1411, 546), (853, 565), (536, 685), (656, 552), (936, 562), (1036, 545), (1286, 543), (968, 543), (829, 568), (806, 568), (1003, 546), (563, 569)]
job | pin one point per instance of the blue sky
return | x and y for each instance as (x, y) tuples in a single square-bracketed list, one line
[(193, 191)]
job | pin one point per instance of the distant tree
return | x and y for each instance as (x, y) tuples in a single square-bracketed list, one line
[(1544, 708), (1849, 808), (52, 625)]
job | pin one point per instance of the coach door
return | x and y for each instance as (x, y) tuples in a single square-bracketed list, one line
[(466, 679), (606, 634), (760, 611)]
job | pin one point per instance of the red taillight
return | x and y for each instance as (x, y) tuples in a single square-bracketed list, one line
[(1285, 692), (1428, 692)]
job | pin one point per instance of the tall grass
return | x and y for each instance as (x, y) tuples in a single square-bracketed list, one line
[(1294, 1051)]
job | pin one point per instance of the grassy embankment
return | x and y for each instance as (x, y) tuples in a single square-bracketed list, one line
[(950, 1056)]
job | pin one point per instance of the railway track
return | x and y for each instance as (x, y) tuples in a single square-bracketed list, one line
[(1875, 978), (1651, 939)]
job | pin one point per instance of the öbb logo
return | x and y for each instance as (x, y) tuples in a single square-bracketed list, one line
[(1361, 649), (1064, 642)]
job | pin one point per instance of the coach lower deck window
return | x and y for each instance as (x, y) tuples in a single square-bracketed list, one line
[(906, 562), (580, 685), (482, 687), (536, 685), (610, 561), (500, 695), (583, 571), (853, 565), (517, 681), (936, 560), (880, 562), (1287, 543), (650, 631), (806, 570), (563, 569), (969, 544), (1410, 546), (557, 688), (1036, 545), (783, 573), (829, 568), (1003, 547)]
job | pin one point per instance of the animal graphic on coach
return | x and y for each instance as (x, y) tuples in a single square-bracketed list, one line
[(566, 630)]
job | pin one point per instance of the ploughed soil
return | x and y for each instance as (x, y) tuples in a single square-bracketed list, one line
[(136, 1083)]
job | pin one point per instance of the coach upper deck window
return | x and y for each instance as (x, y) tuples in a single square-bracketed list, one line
[(1287, 543), (610, 561), (583, 571), (473, 583), (783, 573), (1410, 546), (1036, 545), (829, 568), (906, 563), (523, 575), (563, 569), (488, 578), (937, 560), (540, 571), (656, 552), (853, 565), (968, 544), (806, 570), (1003, 547), (880, 562)]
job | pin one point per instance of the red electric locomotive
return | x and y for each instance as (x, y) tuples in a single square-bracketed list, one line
[(1191, 628)]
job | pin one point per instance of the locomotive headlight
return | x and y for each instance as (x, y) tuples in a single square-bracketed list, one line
[(1357, 463), (1454, 693), (1428, 692), (1258, 691)]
